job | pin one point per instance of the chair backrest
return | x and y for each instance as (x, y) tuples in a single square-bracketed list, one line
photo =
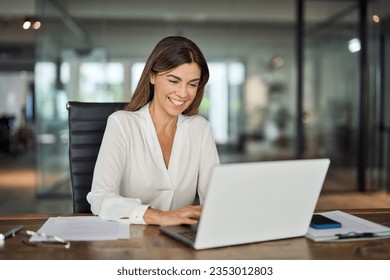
[(87, 122)]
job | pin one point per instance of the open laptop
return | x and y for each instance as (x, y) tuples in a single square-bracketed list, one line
[(254, 202)]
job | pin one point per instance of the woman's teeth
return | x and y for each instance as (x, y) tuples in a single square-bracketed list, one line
[(176, 102)]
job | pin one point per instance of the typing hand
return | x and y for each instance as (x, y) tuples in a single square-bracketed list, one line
[(186, 215)]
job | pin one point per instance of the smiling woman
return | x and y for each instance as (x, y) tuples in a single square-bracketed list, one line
[(157, 155)]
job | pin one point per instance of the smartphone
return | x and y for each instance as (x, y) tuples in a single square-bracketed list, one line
[(321, 222)]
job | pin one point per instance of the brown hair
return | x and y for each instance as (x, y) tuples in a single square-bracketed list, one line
[(168, 54)]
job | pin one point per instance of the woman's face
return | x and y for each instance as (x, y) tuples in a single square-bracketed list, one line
[(174, 90)]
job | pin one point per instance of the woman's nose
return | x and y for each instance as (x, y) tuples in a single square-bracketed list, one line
[(182, 91)]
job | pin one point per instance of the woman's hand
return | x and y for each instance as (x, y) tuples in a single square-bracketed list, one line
[(186, 215)]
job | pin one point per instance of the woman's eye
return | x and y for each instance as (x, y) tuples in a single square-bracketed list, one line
[(194, 85), (173, 81)]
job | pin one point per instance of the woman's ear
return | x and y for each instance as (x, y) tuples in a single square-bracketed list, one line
[(152, 79)]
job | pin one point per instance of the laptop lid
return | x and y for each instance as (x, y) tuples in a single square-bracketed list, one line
[(259, 201)]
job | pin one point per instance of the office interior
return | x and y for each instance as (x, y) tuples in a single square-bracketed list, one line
[(289, 79)]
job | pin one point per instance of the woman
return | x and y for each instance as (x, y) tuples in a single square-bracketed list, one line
[(157, 155)]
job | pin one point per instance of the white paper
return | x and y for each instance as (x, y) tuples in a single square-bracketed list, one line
[(349, 224), (83, 228)]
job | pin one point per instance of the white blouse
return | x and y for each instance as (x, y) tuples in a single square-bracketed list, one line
[(130, 174)]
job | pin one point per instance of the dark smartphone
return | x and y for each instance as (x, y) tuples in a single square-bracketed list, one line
[(322, 222)]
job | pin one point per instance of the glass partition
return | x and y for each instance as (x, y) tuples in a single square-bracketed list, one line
[(50, 98), (331, 88), (342, 99)]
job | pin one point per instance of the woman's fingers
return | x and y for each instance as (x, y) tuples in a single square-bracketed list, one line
[(190, 211), (186, 215)]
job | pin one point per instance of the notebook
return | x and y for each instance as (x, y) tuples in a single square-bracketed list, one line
[(255, 202)]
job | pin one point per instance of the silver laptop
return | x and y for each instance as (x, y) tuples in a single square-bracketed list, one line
[(254, 202)]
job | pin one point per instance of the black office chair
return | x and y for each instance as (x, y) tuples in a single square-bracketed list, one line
[(87, 122)]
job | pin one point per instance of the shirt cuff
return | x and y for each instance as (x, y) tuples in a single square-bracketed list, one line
[(137, 217)]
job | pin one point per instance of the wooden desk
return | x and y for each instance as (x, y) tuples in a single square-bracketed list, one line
[(147, 242)]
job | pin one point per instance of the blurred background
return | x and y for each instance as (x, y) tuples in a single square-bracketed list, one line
[(289, 79)]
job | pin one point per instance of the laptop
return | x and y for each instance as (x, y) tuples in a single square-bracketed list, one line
[(255, 202)]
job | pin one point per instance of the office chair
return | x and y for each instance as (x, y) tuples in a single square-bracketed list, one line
[(87, 122)]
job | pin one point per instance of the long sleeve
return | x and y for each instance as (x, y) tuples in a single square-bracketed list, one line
[(104, 197)]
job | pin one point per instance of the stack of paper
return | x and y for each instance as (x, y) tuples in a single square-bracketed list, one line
[(352, 228), (82, 228)]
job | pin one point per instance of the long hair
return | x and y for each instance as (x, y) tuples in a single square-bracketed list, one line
[(168, 54)]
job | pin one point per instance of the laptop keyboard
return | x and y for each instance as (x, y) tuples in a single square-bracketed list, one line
[(188, 235)]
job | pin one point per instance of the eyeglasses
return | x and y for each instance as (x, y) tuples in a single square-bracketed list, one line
[(42, 239)]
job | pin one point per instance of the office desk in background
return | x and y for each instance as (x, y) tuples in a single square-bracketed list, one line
[(147, 243)]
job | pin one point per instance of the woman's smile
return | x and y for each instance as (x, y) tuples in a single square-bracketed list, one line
[(175, 101)]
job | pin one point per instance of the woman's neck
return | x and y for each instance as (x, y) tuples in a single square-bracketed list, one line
[(165, 127), (163, 123)]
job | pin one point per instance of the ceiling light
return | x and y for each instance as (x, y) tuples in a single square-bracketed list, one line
[(37, 24), (354, 45), (27, 24)]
